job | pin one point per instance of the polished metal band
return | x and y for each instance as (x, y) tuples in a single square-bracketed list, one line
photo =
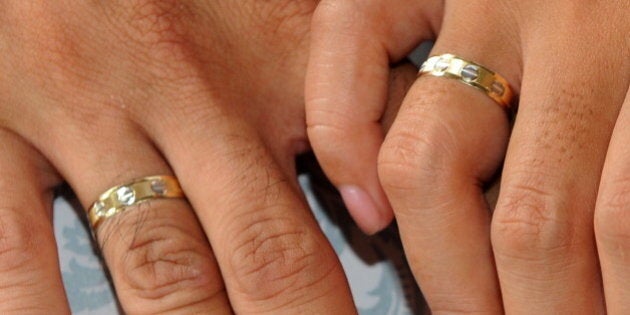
[(120, 198), (470, 73)]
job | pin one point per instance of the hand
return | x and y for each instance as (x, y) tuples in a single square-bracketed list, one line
[(98, 93), (536, 254)]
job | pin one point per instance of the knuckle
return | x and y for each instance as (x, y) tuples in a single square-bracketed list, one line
[(156, 21), (158, 32), (276, 260), (611, 214), (410, 157), (161, 261), (528, 221)]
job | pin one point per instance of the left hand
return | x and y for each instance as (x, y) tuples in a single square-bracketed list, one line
[(565, 191), (100, 93)]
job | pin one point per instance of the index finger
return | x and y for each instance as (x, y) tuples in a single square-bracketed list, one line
[(347, 92)]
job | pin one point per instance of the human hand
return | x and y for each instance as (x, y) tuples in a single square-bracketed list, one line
[(98, 93), (536, 254)]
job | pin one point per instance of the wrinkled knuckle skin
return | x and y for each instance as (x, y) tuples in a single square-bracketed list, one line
[(155, 21), (275, 261), (612, 221), (526, 223), (409, 159), (162, 262)]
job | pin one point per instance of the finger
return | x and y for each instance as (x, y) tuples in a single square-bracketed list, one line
[(30, 281), (347, 91), (159, 258), (401, 79), (273, 256), (542, 231), (447, 141), (612, 228)]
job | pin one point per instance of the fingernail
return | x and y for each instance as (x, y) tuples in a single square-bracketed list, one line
[(363, 209)]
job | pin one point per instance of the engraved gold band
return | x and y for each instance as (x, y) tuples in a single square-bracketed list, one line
[(120, 198), (470, 73)]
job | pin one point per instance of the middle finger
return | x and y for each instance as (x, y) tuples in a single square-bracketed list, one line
[(273, 256)]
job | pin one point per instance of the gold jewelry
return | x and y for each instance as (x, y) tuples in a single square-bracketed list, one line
[(120, 198), (470, 73)]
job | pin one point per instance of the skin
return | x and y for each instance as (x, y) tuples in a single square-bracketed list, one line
[(97, 93), (556, 242)]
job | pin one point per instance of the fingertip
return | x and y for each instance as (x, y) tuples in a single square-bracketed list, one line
[(370, 216)]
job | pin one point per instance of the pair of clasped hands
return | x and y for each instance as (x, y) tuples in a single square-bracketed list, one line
[(224, 94)]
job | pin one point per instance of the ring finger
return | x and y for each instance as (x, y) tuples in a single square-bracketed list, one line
[(159, 258), (447, 140)]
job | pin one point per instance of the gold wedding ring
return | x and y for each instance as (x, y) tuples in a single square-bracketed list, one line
[(470, 73), (120, 198)]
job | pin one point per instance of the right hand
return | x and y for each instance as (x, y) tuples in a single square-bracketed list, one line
[(557, 240)]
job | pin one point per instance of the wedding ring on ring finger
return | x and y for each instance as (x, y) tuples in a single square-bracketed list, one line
[(472, 74), (124, 197)]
